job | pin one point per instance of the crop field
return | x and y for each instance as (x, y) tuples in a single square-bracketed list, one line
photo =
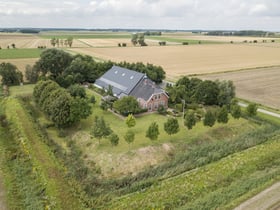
[(258, 85), (236, 39), (29, 41), (193, 59), (20, 63)]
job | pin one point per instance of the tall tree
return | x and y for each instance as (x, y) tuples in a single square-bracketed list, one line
[(226, 92), (53, 62), (70, 41), (77, 91), (207, 93), (10, 74), (31, 74), (153, 131), (130, 121), (171, 126)]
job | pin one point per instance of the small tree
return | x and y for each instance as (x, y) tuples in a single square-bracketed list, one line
[(153, 131), (209, 119), (130, 121), (92, 99), (222, 115), (129, 137), (114, 139), (171, 126), (100, 128), (252, 109), (235, 111), (190, 120)]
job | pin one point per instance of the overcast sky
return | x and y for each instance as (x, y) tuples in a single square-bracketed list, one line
[(157, 14)]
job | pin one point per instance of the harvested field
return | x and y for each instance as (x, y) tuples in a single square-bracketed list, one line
[(29, 41), (218, 38), (193, 59), (258, 85), (20, 63)]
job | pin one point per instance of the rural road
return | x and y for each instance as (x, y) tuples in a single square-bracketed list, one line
[(262, 110), (267, 199)]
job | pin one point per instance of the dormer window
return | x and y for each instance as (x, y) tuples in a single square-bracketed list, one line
[(116, 72), (131, 77), (123, 74)]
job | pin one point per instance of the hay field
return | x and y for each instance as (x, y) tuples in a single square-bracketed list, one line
[(259, 85), (193, 59), (20, 63)]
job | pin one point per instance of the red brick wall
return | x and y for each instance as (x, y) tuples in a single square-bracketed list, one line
[(156, 101)]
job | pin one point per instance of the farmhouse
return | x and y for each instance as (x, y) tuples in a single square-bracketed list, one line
[(125, 82)]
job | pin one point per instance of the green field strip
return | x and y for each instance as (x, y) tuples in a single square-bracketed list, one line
[(44, 162), (20, 53)]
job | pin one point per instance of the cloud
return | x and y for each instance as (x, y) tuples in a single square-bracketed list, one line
[(180, 14)]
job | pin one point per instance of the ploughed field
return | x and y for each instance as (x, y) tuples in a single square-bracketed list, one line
[(258, 85)]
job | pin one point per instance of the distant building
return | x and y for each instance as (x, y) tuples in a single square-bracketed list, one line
[(125, 82)]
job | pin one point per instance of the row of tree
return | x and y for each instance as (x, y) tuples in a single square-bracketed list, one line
[(67, 69), (59, 105), (205, 92), (138, 38), (62, 42)]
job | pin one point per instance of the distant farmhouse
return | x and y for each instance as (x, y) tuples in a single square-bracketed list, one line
[(125, 82)]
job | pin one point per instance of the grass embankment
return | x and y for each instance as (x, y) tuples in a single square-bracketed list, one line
[(49, 174), (20, 53), (185, 189)]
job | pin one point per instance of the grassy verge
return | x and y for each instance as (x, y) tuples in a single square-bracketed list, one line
[(20, 53), (43, 163)]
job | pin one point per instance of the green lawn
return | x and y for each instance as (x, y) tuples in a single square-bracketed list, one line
[(21, 90), (20, 53)]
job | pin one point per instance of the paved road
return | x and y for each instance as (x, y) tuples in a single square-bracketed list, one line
[(262, 110), (267, 199)]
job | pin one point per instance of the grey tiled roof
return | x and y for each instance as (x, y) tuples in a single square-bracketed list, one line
[(145, 89), (122, 80)]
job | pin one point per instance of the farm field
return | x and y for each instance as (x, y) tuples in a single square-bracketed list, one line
[(29, 41), (20, 63), (193, 59), (258, 85)]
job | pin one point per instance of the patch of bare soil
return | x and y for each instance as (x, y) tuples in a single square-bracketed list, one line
[(132, 162), (267, 199)]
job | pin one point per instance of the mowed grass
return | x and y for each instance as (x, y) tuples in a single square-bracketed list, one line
[(20, 53), (20, 90)]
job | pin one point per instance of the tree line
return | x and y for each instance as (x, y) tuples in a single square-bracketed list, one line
[(67, 69), (62, 42), (62, 108)]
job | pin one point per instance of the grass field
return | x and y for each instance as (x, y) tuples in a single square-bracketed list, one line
[(258, 85), (20, 53)]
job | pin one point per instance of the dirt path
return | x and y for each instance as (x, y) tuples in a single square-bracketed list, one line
[(267, 199)]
